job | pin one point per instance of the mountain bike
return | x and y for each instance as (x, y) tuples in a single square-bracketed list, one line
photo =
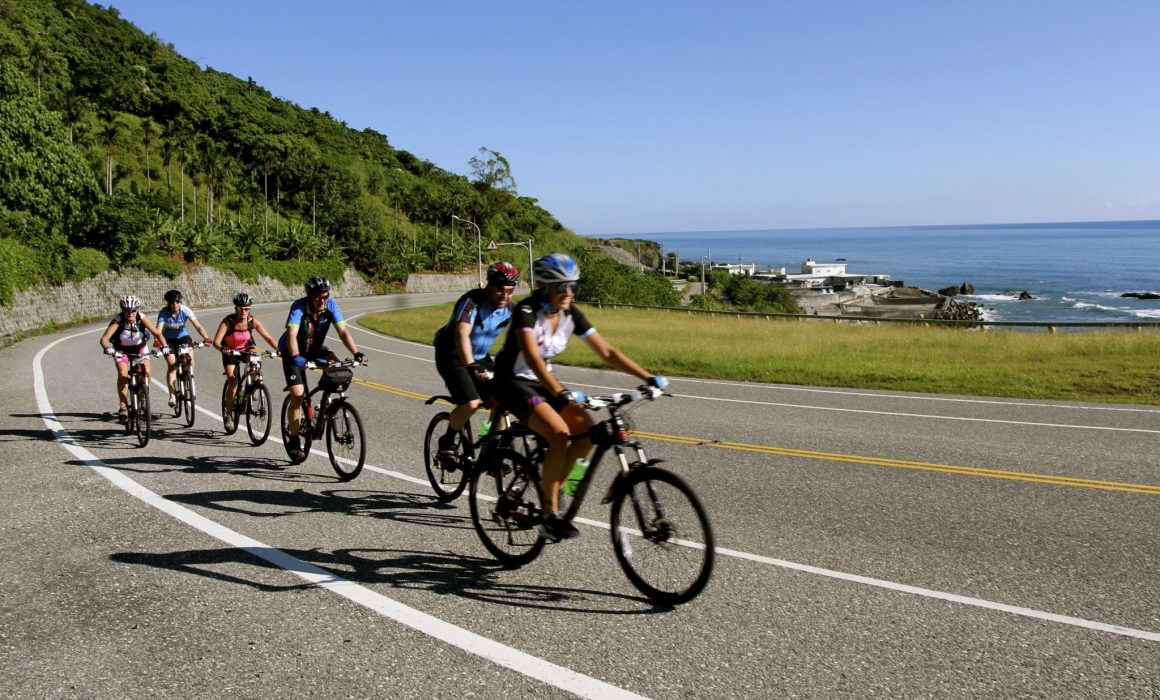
[(660, 531), (334, 417), (251, 397), (138, 418), (185, 391)]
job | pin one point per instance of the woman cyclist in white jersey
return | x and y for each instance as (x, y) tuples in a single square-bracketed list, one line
[(541, 326)]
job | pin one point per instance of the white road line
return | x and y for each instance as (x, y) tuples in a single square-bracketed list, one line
[(509, 657), (919, 415), (756, 558)]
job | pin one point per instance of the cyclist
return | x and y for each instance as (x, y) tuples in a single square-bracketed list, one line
[(306, 327), (541, 326), (462, 345), (129, 333), (172, 319), (236, 333)]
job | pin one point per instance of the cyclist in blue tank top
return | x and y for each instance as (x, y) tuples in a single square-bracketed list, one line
[(172, 319), (462, 346)]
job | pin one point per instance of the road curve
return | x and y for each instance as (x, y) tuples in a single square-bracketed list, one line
[(870, 542)]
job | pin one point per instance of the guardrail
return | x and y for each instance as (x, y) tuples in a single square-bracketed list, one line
[(1049, 326)]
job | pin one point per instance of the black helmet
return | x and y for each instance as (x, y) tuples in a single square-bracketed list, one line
[(317, 285), (243, 299), (172, 295), (502, 274)]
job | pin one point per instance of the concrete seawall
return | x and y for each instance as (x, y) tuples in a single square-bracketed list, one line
[(97, 297)]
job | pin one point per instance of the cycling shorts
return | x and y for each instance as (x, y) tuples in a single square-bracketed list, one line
[(460, 380)]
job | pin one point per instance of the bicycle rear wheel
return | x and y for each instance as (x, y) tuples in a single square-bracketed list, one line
[(506, 507), (144, 417), (346, 442), (669, 557), (187, 399), (229, 415), (258, 413), (305, 430), (448, 475)]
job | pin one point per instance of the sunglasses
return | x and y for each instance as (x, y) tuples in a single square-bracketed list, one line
[(562, 287), (324, 296)]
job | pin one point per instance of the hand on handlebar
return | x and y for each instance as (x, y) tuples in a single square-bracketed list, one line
[(110, 350), (572, 396), (360, 357)]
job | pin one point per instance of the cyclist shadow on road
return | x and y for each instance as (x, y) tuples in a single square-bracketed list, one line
[(82, 428), (447, 573), (269, 503)]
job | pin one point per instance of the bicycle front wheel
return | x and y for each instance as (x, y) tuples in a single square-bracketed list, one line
[(506, 507), (305, 431), (662, 536), (258, 413), (346, 443), (448, 474), (229, 415), (144, 417), (187, 400)]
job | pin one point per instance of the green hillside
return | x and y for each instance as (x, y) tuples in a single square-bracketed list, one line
[(117, 150)]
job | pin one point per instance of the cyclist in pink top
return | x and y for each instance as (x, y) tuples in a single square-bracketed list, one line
[(236, 332)]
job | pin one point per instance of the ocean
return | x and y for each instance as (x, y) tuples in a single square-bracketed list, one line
[(1073, 271)]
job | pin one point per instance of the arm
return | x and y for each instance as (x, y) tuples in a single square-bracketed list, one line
[(107, 336), (463, 342), (220, 335), (615, 358), (152, 328), (200, 329), (266, 335)]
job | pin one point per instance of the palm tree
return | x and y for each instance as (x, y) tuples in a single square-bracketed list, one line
[(111, 135), (149, 130)]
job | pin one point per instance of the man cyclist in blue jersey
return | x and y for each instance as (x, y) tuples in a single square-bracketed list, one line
[(463, 344), (310, 319), (172, 319)]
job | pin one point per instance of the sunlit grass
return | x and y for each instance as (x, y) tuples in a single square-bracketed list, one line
[(1102, 366)]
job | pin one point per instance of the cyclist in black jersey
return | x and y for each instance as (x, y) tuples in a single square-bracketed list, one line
[(541, 326)]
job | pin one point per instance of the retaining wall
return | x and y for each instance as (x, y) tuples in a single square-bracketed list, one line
[(97, 297)]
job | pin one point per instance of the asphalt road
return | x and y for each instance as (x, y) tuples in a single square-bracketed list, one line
[(870, 543)]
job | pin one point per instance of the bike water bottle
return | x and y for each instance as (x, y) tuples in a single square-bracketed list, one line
[(484, 429), (579, 469)]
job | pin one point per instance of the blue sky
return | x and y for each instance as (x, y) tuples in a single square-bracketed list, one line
[(653, 116)]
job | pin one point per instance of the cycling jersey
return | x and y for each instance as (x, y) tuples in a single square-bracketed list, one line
[(310, 331), (172, 325), (531, 316), (238, 338), (487, 322), (129, 337)]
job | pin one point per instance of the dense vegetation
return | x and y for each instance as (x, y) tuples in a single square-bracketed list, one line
[(741, 293), (116, 150)]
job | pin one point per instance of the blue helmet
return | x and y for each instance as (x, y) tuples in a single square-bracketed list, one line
[(556, 267)]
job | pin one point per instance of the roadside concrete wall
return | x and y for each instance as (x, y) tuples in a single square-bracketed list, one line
[(422, 283), (97, 297)]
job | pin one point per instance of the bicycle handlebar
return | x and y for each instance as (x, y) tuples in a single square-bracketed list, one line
[(348, 362), (238, 353), (620, 399)]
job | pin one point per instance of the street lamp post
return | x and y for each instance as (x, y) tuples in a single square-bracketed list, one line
[(478, 248), (526, 244)]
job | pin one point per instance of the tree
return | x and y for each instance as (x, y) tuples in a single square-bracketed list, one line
[(492, 171)]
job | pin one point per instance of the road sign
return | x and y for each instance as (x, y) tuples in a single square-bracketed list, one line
[(491, 245)]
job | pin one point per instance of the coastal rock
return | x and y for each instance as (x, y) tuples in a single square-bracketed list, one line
[(966, 288), (948, 291), (1024, 296), (1140, 295)]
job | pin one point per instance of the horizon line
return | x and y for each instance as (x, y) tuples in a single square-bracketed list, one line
[(872, 228)]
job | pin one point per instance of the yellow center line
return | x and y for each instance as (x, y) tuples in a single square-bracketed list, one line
[(1073, 481), (906, 464)]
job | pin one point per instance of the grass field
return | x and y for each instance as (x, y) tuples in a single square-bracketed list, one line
[(1099, 366)]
